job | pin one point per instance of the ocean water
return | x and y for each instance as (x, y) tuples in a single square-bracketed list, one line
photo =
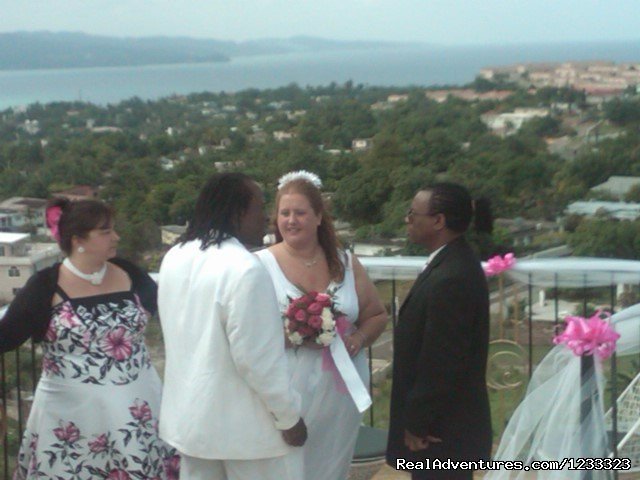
[(393, 66)]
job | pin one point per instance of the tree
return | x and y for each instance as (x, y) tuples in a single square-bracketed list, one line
[(623, 111), (335, 124), (547, 126), (158, 202), (633, 195), (607, 238), (137, 237), (360, 197), (385, 154), (184, 200)]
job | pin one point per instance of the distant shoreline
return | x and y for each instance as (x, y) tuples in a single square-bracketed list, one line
[(47, 50), (398, 67), (97, 67), (36, 51)]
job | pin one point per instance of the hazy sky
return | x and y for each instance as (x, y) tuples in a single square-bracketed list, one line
[(434, 21)]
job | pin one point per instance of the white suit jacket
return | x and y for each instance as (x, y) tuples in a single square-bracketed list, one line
[(227, 392)]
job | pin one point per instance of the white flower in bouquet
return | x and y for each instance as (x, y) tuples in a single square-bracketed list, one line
[(327, 319), (326, 338), (296, 338)]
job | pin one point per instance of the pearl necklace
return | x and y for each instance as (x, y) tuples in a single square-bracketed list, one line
[(95, 278)]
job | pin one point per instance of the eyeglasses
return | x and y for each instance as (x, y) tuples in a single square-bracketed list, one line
[(411, 213)]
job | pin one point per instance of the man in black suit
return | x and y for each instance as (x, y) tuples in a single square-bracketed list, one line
[(439, 401)]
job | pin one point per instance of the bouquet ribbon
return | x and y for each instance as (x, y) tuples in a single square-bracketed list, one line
[(336, 359)]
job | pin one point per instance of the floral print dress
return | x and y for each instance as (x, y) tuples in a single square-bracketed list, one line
[(95, 411)]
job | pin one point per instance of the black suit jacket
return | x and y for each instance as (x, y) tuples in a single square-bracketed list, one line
[(440, 357)]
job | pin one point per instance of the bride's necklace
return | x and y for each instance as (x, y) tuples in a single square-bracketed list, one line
[(308, 263), (95, 278)]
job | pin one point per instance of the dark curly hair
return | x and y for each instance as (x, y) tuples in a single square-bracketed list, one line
[(221, 204)]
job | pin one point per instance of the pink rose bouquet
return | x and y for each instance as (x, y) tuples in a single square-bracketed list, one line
[(312, 316)]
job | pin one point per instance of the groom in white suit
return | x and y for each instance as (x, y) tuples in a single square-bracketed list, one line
[(227, 406)]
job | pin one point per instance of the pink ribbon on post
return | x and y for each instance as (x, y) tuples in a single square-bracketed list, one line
[(52, 216), (592, 336), (497, 264)]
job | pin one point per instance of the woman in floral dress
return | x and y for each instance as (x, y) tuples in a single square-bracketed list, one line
[(96, 405)]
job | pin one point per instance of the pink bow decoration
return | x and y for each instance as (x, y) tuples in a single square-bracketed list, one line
[(498, 264), (592, 336), (53, 215)]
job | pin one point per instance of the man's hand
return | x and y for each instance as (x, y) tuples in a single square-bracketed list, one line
[(414, 443), (296, 435)]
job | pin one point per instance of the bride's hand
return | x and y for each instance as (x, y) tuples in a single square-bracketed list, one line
[(354, 343)]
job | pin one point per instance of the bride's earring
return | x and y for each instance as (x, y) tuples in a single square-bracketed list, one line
[(80, 249)]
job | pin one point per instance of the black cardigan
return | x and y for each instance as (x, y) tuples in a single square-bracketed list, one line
[(29, 314)]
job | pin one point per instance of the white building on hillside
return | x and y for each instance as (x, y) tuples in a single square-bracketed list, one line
[(10, 220), (171, 233), (29, 213), (508, 123), (361, 144), (617, 186), (617, 210), (20, 259)]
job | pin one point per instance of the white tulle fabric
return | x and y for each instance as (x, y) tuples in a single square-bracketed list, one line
[(547, 424)]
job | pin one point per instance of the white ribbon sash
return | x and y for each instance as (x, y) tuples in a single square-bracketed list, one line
[(349, 374)]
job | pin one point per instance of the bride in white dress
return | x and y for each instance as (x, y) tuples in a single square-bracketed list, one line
[(306, 257)]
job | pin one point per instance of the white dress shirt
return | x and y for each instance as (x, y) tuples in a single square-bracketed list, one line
[(432, 256)]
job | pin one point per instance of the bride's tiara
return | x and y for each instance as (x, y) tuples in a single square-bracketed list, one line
[(312, 178)]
